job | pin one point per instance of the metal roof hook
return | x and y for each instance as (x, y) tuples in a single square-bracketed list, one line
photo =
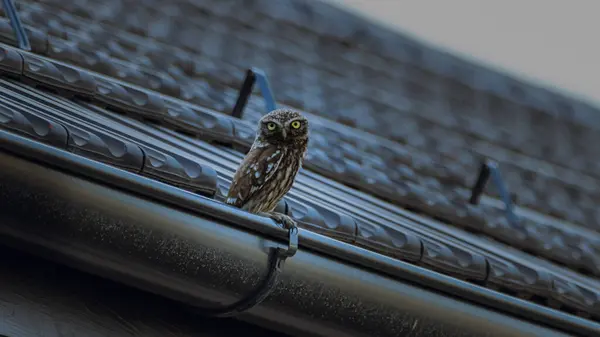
[(489, 169), (277, 258), (254, 75), (15, 22)]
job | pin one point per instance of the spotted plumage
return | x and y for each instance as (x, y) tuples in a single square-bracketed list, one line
[(268, 171)]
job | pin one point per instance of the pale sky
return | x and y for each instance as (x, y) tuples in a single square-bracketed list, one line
[(552, 42)]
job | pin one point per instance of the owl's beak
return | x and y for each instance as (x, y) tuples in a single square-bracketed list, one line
[(283, 134)]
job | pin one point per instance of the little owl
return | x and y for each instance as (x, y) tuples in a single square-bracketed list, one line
[(268, 170)]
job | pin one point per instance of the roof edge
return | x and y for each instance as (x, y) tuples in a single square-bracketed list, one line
[(192, 249)]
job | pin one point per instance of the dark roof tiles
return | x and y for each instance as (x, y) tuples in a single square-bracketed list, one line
[(172, 86), (424, 247), (351, 161), (195, 88)]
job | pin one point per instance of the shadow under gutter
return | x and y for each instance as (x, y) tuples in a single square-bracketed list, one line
[(193, 249)]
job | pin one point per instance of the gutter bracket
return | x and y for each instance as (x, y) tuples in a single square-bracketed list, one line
[(277, 258)]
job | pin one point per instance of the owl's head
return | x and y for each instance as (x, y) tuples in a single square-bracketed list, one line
[(283, 126)]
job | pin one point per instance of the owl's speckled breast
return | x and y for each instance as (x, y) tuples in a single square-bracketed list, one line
[(267, 197)]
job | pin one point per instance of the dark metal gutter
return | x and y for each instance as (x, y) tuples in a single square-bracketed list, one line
[(193, 249), (44, 298)]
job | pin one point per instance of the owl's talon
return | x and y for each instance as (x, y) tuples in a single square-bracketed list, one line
[(286, 221)]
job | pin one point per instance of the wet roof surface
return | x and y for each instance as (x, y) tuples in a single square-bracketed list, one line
[(388, 143)]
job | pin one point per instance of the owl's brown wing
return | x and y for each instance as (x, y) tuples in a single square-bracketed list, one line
[(258, 167)]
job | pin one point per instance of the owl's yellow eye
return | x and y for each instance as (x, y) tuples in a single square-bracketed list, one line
[(271, 126), (296, 124)]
